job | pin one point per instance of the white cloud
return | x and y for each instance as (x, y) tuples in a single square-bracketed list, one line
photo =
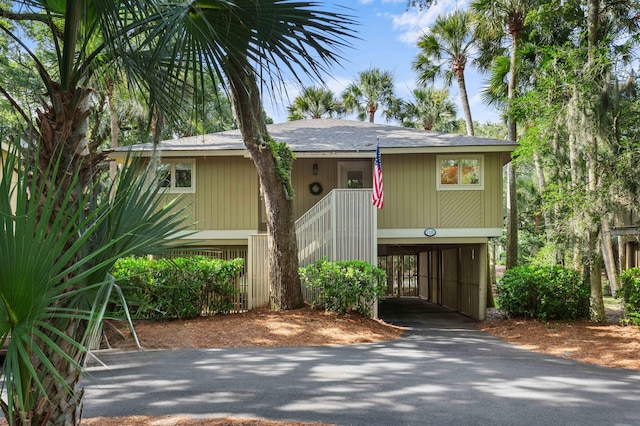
[(413, 23), (337, 84)]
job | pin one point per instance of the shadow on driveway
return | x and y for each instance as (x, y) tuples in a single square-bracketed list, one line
[(441, 372)]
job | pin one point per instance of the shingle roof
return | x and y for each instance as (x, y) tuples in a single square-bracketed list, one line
[(333, 135)]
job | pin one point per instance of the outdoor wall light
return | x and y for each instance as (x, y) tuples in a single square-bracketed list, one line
[(315, 169)]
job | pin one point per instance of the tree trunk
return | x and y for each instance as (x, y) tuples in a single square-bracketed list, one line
[(593, 128), (542, 189), (608, 256), (284, 281), (372, 114), (57, 406), (559, 181), (464, 99), (63, 136), (575, 128), (491, 254), (511, 248), (597, 312), (622, 245), (115, 128), (512, 201), (594, 255)]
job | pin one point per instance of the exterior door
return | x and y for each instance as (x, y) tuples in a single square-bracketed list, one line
[(355, 174)]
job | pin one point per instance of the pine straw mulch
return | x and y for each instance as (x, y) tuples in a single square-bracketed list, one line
[(610, 345), (614, 344), (256, 328)]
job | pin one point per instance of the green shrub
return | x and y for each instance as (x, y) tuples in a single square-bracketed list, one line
[(344, 285), (176, 288), (630, 293), (544, 292)]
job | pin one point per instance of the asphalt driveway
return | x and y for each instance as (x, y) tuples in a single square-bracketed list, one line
[(442, 372)]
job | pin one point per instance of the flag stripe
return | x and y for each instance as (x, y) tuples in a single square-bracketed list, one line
[(377, 198)]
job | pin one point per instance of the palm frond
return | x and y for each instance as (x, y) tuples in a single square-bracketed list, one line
[(57, 254), (277, 37)]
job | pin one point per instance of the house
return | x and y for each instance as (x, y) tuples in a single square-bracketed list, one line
[(443, 200), (627, 231)]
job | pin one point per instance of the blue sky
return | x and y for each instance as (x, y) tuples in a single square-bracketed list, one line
[(388, 35)]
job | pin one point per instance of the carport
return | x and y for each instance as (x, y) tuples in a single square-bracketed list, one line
[(450, 275), (418, 312)]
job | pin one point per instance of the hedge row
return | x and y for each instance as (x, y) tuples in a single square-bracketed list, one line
[(176, 288), (630, 293), (543, 292)]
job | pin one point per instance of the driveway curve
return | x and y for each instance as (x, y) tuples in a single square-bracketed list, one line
[(441, 372)]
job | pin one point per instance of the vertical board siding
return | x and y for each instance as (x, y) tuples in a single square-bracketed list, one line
[(302, 176), (411, 199), (450, 278), (355, 230), (493, 185), (314, 232), (342, 226), (227, 194), (258, 271), (469, 280), (409, 191)]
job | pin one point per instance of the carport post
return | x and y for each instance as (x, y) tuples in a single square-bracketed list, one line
[(482, 288)]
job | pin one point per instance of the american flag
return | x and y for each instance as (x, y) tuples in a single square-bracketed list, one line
[(377, 198)]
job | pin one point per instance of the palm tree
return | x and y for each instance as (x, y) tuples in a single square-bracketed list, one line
[(507, 17), (445, 50), (431, 108), (162, 47), (58, 253), (373, 88), (266, 36), (314, 102)]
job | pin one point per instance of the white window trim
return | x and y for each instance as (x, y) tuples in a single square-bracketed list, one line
[(172, 189), (459, 186)]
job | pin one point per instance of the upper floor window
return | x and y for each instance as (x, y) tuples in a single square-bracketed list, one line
[(177, 176), (355, 179), (460, 172)]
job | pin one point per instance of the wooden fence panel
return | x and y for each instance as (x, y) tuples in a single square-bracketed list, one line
[(258, 271)]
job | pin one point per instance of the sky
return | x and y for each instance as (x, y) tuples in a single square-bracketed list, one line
[(387, 34)]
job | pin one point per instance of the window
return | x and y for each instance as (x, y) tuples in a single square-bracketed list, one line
[(178, 176), (463, 172), (355, 179)]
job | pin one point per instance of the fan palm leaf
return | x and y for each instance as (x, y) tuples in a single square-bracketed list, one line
[(373, 88), (57, 254)]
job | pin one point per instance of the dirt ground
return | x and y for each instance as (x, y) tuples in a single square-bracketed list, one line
[(611, 345)]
